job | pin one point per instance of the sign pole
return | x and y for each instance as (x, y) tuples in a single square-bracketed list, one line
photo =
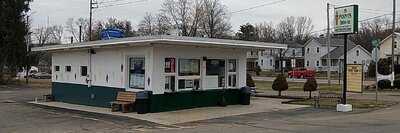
[(344, 97)]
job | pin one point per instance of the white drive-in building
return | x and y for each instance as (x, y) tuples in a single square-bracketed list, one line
[(180, 72)]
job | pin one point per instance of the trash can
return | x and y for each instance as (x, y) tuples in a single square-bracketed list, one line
[(245, 95), (142, 102)]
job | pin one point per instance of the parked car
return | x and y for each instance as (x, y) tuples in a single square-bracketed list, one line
[(41, 75), (301, 73)]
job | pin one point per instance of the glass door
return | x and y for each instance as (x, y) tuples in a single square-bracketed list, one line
[(136, 72)]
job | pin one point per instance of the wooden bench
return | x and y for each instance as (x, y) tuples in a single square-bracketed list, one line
[(326, 95), (125, 102)]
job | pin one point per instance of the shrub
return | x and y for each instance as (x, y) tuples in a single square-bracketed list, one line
[(249, 81), (384, 84), (280, 84), (310, 86), (384, 66)]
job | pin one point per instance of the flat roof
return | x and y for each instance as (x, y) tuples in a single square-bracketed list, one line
[(164, 39)]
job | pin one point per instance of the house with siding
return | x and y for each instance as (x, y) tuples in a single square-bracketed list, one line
[(292, 57), (385, 48), (316, 54)]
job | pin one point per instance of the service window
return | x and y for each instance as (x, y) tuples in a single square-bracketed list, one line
[(216, 68), (84, 71), (189, 67), (68, 68), (188, 74), (57, 68), (170, 83)]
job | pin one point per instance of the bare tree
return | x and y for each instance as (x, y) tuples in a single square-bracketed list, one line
[(162, 25), (72, 26), (265, 32), (215, 22), (56, 33), (304, 27), (286, 29), (42, 35), (146, 26)]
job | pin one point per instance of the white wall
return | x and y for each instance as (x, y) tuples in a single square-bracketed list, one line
[(108, 61)]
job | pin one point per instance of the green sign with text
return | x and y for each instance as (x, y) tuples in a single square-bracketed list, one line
[(346, 19)]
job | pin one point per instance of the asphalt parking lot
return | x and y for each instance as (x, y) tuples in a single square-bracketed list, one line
[(20, 117)]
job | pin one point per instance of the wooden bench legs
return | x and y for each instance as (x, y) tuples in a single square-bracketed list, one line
[(124, 108)]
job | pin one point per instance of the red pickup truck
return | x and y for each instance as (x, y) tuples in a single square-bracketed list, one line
[(301, 73)]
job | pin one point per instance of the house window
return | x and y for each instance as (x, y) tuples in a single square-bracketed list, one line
[(57, 68), (232, 63), (308, 63), (84, 71), (293, 52), (189, 67), (308, 50), (137, 72), (262, 62), (317, 63), (358, 53), (68, 68), (355, 62), (169, 66), (317, 49)]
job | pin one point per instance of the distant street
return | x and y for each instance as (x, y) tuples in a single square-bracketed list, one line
[(320, 81)]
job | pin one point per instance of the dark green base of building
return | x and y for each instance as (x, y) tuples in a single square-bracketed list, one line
[(102, 96)]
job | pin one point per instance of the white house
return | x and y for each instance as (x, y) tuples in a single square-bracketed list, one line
[(292, 57), (316, 54), (385, 48), (179, 72)]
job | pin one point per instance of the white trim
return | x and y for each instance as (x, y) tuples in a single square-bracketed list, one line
[(242, 44)]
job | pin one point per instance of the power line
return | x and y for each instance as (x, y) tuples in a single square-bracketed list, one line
[(258, 6), (110, 1), (121, 4)]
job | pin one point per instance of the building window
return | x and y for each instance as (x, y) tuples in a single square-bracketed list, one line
[(68, 68), (189, 67), (57, 68), (262, 62), (308, 63), (170, 83), (169, 66), (358, 53), (308, 50), (232, 63), (188, 84), (84, 71), (355, 62), (317, 49), (137, 72), (216, 67), (317, 63)]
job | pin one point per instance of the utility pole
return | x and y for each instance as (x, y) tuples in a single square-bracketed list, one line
[(90, 17), (27, 51), (80, 33), (328, 33), (393, 37)]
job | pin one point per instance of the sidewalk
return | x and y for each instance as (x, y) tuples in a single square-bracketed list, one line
[(258, 105)]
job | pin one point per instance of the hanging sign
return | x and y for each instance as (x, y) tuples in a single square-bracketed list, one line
[(346, 19)]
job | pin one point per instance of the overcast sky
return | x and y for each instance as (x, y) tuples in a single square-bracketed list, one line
[(53, 12)]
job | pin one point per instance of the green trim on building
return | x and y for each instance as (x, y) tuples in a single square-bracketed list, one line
[(193, 99), (102, 96), (98, 96)]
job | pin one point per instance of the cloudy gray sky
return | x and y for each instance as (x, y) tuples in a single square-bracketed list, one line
[(58, 11)]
